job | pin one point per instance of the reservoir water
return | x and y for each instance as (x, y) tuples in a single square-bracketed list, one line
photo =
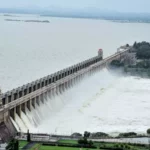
[(102, 102)]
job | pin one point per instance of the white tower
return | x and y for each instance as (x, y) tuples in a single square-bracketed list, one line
[(100, 53), (1, 98)]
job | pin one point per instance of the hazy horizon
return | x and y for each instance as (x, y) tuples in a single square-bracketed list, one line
[(124, 6)]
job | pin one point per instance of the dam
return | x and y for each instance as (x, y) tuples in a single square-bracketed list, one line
[(29, 97)]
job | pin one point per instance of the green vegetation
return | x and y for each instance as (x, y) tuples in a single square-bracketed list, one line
[(137, 61), (148, 131), (13, 145), (142, 50), (143, 53), (107, 145), (60, 148), (22, 144), (99, 135), (36, 147), (98, 145), (86, 134), (116, 63), (76, 135), (142, 66), (85, 142), (28, 136), (68, 141), (128, 134)]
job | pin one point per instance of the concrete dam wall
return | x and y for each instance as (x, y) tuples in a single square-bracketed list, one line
[(30, 96)]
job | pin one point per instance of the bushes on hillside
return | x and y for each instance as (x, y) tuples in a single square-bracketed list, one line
[(76, 135), (142, 50), (148, 131), (86, 134), (13, 145), (128, 134), (116, 63), (84, 141), (99, 135)]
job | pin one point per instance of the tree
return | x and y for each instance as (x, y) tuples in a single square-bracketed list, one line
[(125, 69), (135, 45), (76, 135), (13, 145), (116, 63), (99, 135), (128, 134), (90, 143), (16, 145), (83, 141), (148, 73), (87, 134), (148, 133), (127, 45), (28, 136), (142, 50)]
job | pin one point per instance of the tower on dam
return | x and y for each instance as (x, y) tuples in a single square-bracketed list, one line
[(0, 99), (100, 53)]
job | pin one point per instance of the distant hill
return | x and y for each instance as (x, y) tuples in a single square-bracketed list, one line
[(80, 13)]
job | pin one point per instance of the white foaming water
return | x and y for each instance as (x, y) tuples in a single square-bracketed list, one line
[(101, 102), (21, 123), (15, 124), (26, 121)]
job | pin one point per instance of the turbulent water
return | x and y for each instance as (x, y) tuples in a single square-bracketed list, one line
[(102, 102)]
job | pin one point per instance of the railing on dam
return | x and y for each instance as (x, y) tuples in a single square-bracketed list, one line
[(37, 85)]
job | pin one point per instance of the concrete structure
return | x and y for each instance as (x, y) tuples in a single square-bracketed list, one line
[(38, 91)]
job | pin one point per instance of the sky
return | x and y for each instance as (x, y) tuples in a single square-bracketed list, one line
[(112, 5)]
